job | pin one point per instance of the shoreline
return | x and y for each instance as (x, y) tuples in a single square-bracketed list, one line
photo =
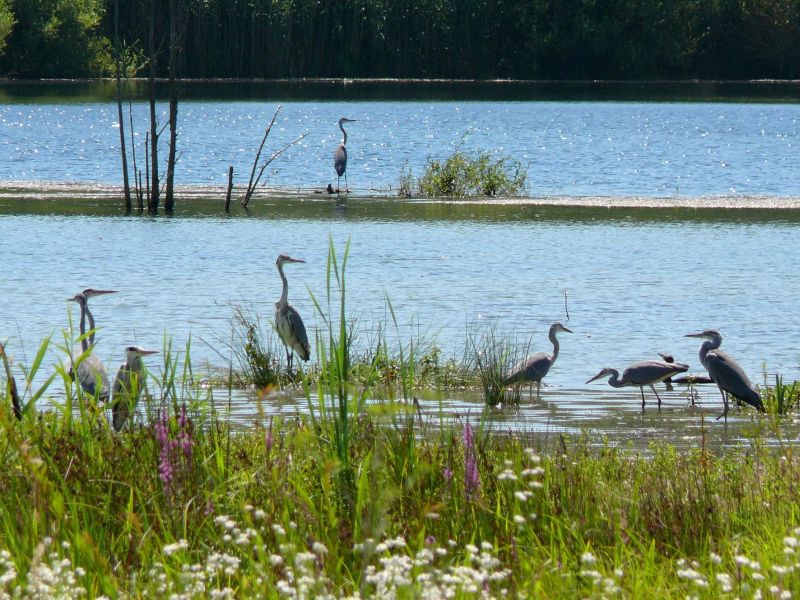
[(83, 191)]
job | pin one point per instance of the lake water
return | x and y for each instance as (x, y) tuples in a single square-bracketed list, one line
[(570, 146), (633, 280)]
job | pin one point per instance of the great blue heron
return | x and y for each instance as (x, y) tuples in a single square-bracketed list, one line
[(726, 372), (532, 369), (340, 156), (287, 320), (668, 381), (128, 385), (11, 385), (91, 372), (647, 372)]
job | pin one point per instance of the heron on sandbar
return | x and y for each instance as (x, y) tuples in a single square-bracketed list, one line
[(726, 372), (288, 323), (532, 369), (340, 156), (647, 372)]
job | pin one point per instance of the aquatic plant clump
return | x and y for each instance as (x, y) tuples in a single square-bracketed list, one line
[(462, 175)]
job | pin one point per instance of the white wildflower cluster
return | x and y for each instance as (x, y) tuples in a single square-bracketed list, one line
[(8, 572), (398, 574), (604, 585), (51, 576)]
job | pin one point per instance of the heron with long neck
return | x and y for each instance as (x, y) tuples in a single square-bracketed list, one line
[(288, 323), (647, 372), (532, 369), (726, 372), (91, 373), (340, 156), (128, 385)]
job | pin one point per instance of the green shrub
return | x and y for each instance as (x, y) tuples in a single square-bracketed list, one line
[(462, 175)]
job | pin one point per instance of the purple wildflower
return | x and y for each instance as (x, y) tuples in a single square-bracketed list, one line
[(165, 467), (447, 473), (185, 440), (472, 478)]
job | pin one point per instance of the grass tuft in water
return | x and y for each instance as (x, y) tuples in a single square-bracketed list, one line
[(493, 354)]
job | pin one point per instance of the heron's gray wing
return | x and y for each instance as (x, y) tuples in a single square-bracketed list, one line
[(120, 407), (91, 373), (532, 368), (340, 159), (299, 338), (730, 376), (651, 371)]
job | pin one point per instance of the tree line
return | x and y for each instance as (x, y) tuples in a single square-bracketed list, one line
[(532, 39)]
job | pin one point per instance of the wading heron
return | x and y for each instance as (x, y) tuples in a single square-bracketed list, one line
[(726, 372), (91, 373), (647, 372), (128, 385), (287, 320), (532, 369), (11, 384), (340, 156)]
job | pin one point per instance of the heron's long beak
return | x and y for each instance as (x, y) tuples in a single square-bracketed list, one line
[(565, 329), (295, 260), (90, 292), (598, 376), (699, 334), (147, 352)]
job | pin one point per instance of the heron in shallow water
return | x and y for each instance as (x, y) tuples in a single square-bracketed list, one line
[(11, 384), (287, 320), (340, 156), (128, 385), (726, 372), (647, 372), (532, 369), (91, 373)]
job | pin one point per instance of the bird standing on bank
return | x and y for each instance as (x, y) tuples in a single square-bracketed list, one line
[(532, 369), (91, 373), (288, 323), (647, 372), (340, 156), (726, 372), (128, 385)]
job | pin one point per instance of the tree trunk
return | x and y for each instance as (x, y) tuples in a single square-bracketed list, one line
[(122, 148), (152, 205), (169, 200)]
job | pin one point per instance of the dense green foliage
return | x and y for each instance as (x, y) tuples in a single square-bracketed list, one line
[(540, 39), (463, 175)]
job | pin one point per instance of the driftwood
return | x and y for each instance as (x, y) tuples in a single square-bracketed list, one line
[(255, 178)]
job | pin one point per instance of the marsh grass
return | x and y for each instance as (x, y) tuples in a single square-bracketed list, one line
[(255, 348), (782, 399), (492, 353)]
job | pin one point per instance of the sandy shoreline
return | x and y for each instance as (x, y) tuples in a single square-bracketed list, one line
[(38, 190)]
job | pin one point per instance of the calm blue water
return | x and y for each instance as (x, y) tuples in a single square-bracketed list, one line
[(569, 148), (634, 287)]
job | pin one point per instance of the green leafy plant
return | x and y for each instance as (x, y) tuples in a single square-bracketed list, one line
[(463, 175)]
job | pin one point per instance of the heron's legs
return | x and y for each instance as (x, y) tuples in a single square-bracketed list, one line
[(724, 403), (657, 396), (538, 390), (289, 355), (346, 189), (641, 389)]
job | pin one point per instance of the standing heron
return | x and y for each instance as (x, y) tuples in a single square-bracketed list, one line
[(726, 372), (91, 373), (532, 369), (647, 372), (340, 156), (11, 385), (128, 385), (287, 320)]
